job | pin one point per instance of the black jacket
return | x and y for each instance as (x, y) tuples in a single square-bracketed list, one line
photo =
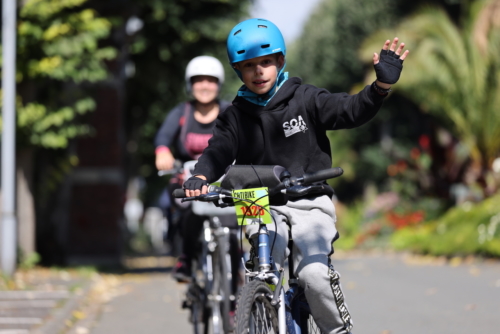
[(290, 131)]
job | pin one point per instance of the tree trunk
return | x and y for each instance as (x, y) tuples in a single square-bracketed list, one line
[(25, 203)]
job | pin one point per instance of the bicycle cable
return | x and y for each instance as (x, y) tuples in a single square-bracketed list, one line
[(246, 213)]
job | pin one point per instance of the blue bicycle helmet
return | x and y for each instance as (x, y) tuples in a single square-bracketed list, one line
[(254, 38)]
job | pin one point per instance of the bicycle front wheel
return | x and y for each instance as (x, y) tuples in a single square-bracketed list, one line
[(254, 312)]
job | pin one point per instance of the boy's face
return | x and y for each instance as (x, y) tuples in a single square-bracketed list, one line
[(260, 74)]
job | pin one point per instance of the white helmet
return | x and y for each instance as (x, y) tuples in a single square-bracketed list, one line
[(204, 65)]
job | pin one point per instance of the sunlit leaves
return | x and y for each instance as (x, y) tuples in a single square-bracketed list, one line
[(53, 128), (58, 44), (47, 65), (26, 28), (44, 9), (55, 30), (65, 46)]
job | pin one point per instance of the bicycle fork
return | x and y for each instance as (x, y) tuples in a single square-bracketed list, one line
[(265, 265)]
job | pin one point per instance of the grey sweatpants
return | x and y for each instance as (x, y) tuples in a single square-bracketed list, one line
[(312, 223)]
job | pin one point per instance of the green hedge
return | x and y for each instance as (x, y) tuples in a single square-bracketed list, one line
[(468, 229)]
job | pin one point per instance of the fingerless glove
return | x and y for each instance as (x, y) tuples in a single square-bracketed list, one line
[(389, 67), (194, 183)]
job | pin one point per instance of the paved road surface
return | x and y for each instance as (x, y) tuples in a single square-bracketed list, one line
[(150, 305), (386, 294), (391, 294)]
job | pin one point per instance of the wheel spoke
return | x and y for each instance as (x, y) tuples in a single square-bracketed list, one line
[(261, 321), (254, 313), (312, 327)]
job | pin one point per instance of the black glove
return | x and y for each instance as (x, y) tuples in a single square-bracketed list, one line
[(194, 183), (389, 67)]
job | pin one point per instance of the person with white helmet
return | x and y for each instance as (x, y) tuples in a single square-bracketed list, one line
[(183, 136), (189, 125)]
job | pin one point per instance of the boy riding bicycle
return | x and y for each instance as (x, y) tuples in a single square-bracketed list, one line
[(275, 120)]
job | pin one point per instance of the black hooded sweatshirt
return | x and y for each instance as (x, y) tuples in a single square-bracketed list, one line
[(289, 131)]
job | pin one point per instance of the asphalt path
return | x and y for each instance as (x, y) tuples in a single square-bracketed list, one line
[(386, 294), (150, 304), (394, 294)]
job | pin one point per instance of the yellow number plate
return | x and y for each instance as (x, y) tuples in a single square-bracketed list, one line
[(252, 206)]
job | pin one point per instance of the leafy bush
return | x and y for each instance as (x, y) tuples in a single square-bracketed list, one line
[(348, 225), (371, 223), (463, 230)]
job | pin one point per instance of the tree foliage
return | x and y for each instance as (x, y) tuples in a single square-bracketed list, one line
[(455, 73), (326, 54), (173, 32), (58, 51)]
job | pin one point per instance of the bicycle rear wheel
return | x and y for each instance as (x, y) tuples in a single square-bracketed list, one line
[(195, 302), (254, 312), (307, 323), (224, 284), (218, 287)]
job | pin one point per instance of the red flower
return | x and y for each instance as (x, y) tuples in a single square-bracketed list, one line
[(402, 220), (424, 141), (415, 153), (401, 166), (392, 170)]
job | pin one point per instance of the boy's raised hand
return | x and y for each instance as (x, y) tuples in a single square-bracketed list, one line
[(389, 64)]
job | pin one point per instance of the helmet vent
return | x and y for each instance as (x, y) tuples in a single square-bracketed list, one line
[(236, 33), (265, 46), (262, 26), (240, 52)]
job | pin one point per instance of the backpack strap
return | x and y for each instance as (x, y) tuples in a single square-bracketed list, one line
[(183, 121)]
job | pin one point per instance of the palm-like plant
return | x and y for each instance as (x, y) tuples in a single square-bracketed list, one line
[(454, 73)]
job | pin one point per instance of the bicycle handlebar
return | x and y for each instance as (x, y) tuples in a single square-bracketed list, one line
[(298, 186), (176, 169), (323, 175), (180, 193)]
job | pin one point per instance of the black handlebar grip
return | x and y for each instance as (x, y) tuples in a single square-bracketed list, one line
[(179, 193), (323, 175)]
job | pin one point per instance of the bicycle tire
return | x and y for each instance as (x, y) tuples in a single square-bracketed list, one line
[(195, 302), (254, 312), (217, 312), (307, 323), (224, 286), (212, 318)]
